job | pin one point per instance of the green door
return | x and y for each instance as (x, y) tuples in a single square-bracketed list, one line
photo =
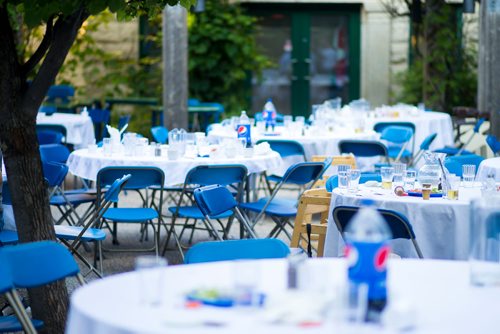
[(315, 50)]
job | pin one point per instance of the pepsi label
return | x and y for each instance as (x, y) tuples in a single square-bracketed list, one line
[(244, 132)]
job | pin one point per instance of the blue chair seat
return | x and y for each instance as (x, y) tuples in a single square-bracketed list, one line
[(8, 237), (278, 208), (130, 215), (451, 150), (195, 213), (75, 199), (11, 324), (393, 152), (72, 232)]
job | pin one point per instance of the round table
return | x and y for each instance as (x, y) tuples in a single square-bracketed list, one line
[(489, 167), (86, 165), (438, 292), (79, 129), (440, 225)]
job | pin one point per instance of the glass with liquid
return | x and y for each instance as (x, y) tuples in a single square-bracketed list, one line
[(426, 191), (387, 174), (454, 182)]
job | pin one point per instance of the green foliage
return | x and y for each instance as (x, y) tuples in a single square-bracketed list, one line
[(222, 52)]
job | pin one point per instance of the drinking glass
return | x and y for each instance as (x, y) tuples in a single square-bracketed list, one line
[(426, 191), (387, 174), (343, 168), (150, 279), (355, 175), (484, 253), (410, 177), (106, 147), (246, 280), (399, 173), (469, 174), (287, 120), (454, 184), (343, 180)]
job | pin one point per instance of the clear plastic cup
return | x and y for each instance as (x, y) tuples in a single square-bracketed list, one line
[(387, 174), (468, 175), (354, 176)]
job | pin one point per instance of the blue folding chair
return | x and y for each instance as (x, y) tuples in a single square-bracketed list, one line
[(454, 163), (398, 138), (214, 200), (281, 211), (20, 321), (58, 128), (49, 137), (7, 237), (47, 110), (380, 127), (142, 178), (54, 153), (205, 175), (60, 94), (365, 149), (461, 149), (424, 146), (399, 225), (160, 134), (245, 249), (285, 148), (87, 231), (333, 181), (100, 118), (494, 144)]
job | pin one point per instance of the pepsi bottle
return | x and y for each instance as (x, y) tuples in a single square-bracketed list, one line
[(244, 127), (367, 251)]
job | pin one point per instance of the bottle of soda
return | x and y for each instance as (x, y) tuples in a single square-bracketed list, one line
[(269, 114), (367, 250), (244, 128)]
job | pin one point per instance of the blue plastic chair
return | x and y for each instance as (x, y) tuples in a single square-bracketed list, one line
[(100, 118), (454, 163), (214, 200), (333, 181), (49, 137), (461, 149), (399, 225), (424, 146), (380, 127), (364, 148), (141, 179), (7, 237), (54, 128), (60, 94), (205, 175), (54, 153), (494, 144), (228, 250), (398, 138), (281, 211), (47, 110), (20, 321), (160, 134)]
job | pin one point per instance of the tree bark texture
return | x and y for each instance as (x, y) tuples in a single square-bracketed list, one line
[(489, 65), (19, 105), (175, 67)]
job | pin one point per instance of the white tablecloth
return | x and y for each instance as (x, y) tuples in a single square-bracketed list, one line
[(440, 225), (79, 129), (83, 164), (426, 123), (488, 167), (439, 292)]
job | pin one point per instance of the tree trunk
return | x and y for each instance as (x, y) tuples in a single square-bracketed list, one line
[(19, 146), (489, 65)]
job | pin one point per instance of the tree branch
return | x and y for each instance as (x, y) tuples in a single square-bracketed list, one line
[(37, 56), (64, 34)]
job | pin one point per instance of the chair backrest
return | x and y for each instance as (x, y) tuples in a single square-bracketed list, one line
[(100, 118), (48, 110), (380, 126), (54, 153), (52, 127), (363, 148), (38, 263), (227, 250), (333, 181), (397, 134), (160, 134), (454, 163), (112, 194), (398, 223), (478, 124), (123, 120), (214, 200), (49, 137), (205, 175), (285, 148), (54, 173), (60, 93), (493, 143), (426, 143), (140, 177), (304, 172)]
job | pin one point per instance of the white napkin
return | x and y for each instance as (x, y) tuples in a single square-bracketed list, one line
[(114, 134), (262, 149)]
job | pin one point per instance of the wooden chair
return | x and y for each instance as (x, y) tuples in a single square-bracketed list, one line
[(312, 202), (337, 160)]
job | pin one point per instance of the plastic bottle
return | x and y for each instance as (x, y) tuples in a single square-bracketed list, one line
[(85, 112), (269, 114), (367, 250), (244, 128)]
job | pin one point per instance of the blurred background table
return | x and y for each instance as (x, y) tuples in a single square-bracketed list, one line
[(79, 128), (438, 292), (441, 226)]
